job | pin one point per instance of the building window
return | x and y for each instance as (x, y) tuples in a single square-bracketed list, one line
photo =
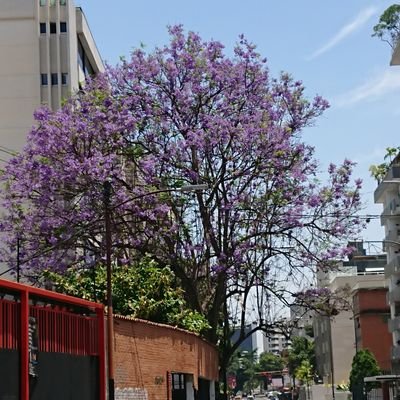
[(64, 78), (42, 28), (44, 79), (63, 27), (43, 3), (63, 2), (52, 2), (178, 381), (54, 79), (53, 27)]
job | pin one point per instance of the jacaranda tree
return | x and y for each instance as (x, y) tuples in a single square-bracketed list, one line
[(185, 114)]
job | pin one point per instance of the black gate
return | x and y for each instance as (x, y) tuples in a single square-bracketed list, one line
[(178, 387), (204, 389)]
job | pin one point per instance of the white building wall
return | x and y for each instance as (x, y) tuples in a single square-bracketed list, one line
[(19, 71), (26, 54)]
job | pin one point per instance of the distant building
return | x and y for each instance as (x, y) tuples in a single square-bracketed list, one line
[(276, 343), (336, 338), (301, 318), (371, 315), (253, 343)]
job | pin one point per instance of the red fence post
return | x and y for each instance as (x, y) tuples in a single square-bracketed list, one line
[(24, 348), (101, 353)]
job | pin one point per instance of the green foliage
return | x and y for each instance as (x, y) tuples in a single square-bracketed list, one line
[(305, 372), (141, 291), (364, 364), (244, 366), (379, 171), (301, 350), (343, 387), (388, 27), (270, 362)]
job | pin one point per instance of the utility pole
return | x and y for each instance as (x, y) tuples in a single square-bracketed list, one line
[(331, 356), (110, 317)]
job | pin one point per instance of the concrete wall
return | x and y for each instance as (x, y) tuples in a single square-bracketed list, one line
[(343, 346), (19, 71)]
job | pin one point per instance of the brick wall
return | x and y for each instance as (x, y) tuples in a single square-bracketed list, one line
[(373, 314), (146, 352)]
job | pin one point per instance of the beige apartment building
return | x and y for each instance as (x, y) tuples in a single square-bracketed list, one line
[(335, 337), (388, 194), (46, 51)]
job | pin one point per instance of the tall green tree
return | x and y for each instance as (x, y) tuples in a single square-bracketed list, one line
[(270, 362), (305, 372), (364, 364), (388, 27), (245, 367), (301, 350)]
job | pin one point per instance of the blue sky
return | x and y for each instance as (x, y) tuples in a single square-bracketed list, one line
[(326, 44)]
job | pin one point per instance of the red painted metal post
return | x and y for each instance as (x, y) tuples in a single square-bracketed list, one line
[(24, 347), (101, 353)]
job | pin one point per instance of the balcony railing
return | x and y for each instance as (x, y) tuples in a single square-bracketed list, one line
[(390, 182)]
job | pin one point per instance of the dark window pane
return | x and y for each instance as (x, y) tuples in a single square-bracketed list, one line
[(63, 27), (54, 79), (42, 27), (64, 78), (53, 27), (43, 2), (43, 79), (63, 2)]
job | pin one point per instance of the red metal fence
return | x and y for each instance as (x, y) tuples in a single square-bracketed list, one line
[(64, 325), (9, 324)]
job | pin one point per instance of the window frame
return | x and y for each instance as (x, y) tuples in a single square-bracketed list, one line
[(64, 78), (53, 28), (63, 27), (42, 28), (44, 79), (54, 79)]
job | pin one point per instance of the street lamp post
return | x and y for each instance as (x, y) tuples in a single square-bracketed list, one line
[(108, 247), (110, 317)]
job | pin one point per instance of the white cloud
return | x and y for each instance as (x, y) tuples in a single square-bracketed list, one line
[(346, 31), (372, 90)]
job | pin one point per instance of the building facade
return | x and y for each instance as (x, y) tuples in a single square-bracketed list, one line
[(371, 315), (387, 193), (337, 337), (254, 343), (275, 343), (47, 50)]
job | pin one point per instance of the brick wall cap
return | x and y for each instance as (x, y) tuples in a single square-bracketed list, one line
[(170, 327)]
